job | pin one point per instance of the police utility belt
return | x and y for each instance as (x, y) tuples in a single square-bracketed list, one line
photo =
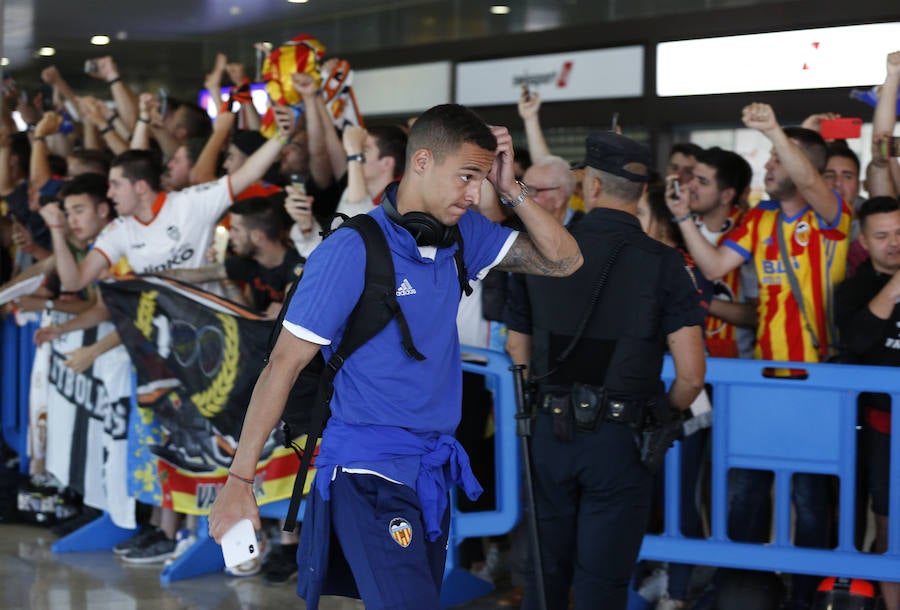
[(586, 406)]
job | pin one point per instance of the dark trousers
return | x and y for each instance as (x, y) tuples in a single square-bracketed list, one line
[(750, 510), (694, 452), (593, 500)]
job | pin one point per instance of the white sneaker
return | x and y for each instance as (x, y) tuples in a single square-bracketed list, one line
[(184, 539), (253, 566), (655, 586), (665, 603), (494, 564)]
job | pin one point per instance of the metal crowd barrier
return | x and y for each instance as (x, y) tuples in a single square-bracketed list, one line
[(786, 426)]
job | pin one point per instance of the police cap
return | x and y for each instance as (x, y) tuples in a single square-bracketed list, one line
[(615, 154)]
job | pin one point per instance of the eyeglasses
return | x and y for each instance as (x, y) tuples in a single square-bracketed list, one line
[(536, 190)]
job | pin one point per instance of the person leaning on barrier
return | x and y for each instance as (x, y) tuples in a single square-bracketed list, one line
[(868, 319), (599, 408)]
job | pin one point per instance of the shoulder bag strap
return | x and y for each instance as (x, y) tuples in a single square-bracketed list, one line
[(792, 280)]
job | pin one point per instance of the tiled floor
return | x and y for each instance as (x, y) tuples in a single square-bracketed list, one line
[(32, 577)]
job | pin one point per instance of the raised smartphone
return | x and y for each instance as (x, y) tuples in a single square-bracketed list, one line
[(841, 129)]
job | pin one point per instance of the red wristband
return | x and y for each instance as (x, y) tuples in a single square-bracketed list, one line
[(240, 478)]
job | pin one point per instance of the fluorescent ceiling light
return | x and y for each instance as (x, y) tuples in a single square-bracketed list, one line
[(99, 40), (820, 58), (46, 51), (500, 9)]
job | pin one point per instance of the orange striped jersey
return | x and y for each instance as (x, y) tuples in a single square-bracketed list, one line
[(818, 253), (720, 336)]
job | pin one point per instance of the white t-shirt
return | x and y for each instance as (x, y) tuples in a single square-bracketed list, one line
[(178, 236)]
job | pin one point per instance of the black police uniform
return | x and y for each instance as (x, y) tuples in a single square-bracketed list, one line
[(592, 491)]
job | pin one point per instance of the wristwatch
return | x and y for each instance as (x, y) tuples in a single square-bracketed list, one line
[(357, 157), (513, 203)]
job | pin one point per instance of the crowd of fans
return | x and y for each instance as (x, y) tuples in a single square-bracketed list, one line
[(83, 186)]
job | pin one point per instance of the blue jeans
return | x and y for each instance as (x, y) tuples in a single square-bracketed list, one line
[(750, 511)]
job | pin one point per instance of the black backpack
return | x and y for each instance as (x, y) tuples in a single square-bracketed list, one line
[(307, 408)]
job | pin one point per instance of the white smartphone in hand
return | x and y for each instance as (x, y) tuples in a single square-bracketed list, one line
[(239, 544)]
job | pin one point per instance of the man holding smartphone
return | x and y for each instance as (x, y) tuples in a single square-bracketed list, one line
[(796, 238)]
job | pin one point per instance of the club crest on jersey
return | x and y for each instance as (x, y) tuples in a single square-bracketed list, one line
[(401, 531), (173, 233), (801, 233)]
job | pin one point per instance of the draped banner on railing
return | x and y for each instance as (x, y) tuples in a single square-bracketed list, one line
[(87, 423), (197, 358)]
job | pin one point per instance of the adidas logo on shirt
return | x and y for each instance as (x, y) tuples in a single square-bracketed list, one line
[(405, 289)]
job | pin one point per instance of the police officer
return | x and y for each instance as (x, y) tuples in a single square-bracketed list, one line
[(597, 406)]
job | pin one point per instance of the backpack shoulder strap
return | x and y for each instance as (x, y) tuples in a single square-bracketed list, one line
[(377, 304), (376, 307)]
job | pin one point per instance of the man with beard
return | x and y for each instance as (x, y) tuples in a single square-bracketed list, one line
[(261, 262), (812, 222), (716, 190)]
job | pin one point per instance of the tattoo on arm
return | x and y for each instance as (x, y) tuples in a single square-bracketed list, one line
[(523, 257)]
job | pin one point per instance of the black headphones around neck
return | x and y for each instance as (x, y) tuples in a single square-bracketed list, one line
[(425, 228)]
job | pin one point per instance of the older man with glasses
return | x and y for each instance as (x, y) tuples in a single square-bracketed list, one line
[(551, 184)]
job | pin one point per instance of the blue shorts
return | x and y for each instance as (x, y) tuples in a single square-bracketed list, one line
[(368, 541)]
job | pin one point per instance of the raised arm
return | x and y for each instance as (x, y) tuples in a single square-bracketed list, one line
[(124, 98), (333, 144), (52, 77), (885, 178), (529, 107), (259, 162), (548, 248), (803, 174), (140, 137), (98, 113), (319, 162), (249, 118), (354, 140), (213, 80), (713, 262), (204, 169), (39, 167)]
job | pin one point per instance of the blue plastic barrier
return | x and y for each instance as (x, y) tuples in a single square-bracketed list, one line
[(460, 585), (785, 426), (782, 425), (15, 378)]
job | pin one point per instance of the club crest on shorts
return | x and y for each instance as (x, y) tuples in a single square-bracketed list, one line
[(401, 531)]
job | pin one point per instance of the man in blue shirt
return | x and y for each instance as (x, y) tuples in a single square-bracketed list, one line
[(380, 505)]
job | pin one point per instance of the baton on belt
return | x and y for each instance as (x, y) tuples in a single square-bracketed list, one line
[(523, 431)]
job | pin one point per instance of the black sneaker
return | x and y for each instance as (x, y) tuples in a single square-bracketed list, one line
[(139, 539), (282, 566), (156, 548)]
